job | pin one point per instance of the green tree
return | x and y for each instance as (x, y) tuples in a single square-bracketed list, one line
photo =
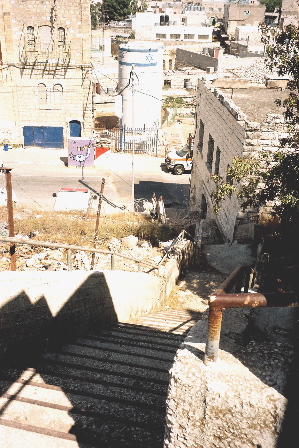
[(271, 5), (95, 14), (262, 178), (116, 10), (137, 6)]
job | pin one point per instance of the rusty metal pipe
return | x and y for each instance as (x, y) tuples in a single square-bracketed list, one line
[(221, 300), (212, 346), (252, 300), (231, 280)]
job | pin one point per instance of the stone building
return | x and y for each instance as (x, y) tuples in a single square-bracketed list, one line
[(289, 13), (172, 27), (230, 122), (245, 13), (45, 72)]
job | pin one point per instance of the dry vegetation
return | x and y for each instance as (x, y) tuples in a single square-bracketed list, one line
[(78, 229)]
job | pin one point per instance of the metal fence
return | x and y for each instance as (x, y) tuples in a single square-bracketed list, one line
[(123, 139)]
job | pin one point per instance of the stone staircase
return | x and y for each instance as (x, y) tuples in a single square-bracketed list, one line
[(104, 390)]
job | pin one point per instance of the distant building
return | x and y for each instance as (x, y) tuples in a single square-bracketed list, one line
[(45, 73), (248, 41), (172, 27), (289, 13), (243, 13)]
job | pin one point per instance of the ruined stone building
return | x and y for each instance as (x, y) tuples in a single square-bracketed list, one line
[(230, 122), (45, 71)]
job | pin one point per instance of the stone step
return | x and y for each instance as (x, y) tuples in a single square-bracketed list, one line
[(104, 390), (27, 436), (55, 398)]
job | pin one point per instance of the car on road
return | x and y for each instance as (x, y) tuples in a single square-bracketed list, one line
[(179, 160)]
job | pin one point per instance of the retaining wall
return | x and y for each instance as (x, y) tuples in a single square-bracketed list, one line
[(59, 304)]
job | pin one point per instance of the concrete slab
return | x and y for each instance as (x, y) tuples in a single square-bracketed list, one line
[(226, 257)]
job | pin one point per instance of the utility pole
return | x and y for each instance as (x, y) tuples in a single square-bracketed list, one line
[(133, 137), (103, 29), (103, 34), (11, 230), (95, 239)]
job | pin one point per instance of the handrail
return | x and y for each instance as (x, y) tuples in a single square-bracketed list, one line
[(174, 242), (77, 248), (222, 299)]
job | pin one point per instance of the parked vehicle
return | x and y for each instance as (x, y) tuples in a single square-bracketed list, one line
[(179, 160)]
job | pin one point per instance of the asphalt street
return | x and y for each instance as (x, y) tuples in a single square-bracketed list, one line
[(38, 174)]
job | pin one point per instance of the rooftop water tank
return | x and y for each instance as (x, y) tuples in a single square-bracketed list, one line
[(140, 83)]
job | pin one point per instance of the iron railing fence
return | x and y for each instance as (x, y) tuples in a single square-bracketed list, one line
[(69, 248)]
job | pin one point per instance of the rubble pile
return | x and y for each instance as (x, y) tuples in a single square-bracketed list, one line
[(36, 258), (256, 72)]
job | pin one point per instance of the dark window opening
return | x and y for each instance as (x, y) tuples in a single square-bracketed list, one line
[(200, 136), (217, 161), (210, 154), (204, 207), (30, 37)]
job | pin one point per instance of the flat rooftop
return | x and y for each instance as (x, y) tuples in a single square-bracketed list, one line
[(257, 102)]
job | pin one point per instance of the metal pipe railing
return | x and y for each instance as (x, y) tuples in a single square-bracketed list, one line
[(69, 248), (222, 299)]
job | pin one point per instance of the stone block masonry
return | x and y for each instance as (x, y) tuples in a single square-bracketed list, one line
[(47, 75), (242, 400), (224, 131)]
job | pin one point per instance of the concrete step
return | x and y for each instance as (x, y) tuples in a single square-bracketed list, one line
[(104, 390)]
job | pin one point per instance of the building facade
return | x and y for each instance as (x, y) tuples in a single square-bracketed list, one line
[(236, 123), (45, 72), (172, 27), (239, 14)]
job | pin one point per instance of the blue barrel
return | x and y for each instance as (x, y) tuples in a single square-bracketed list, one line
[(5, 147)]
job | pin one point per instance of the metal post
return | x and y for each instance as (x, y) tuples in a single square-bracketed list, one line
[(112, 262), (212, 346), (69, 259), (133, 137), (97, 222), (11, 229)]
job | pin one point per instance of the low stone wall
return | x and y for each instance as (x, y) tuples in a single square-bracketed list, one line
[(58, 304), (248, 397), (189, 58)]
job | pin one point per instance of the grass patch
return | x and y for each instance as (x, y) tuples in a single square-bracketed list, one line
[(79, 228)]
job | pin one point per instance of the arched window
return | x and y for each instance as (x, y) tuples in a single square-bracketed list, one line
[(57, 93), (42, 95), (61, 37), (30, 36)]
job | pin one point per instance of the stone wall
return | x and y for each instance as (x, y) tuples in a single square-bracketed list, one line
[(233, 135), (189, 58), (242, 400), (45, 45)]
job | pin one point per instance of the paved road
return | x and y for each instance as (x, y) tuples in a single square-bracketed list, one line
[(39, 173)]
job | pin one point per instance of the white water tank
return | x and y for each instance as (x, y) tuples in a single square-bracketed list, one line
[(140, 83)]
